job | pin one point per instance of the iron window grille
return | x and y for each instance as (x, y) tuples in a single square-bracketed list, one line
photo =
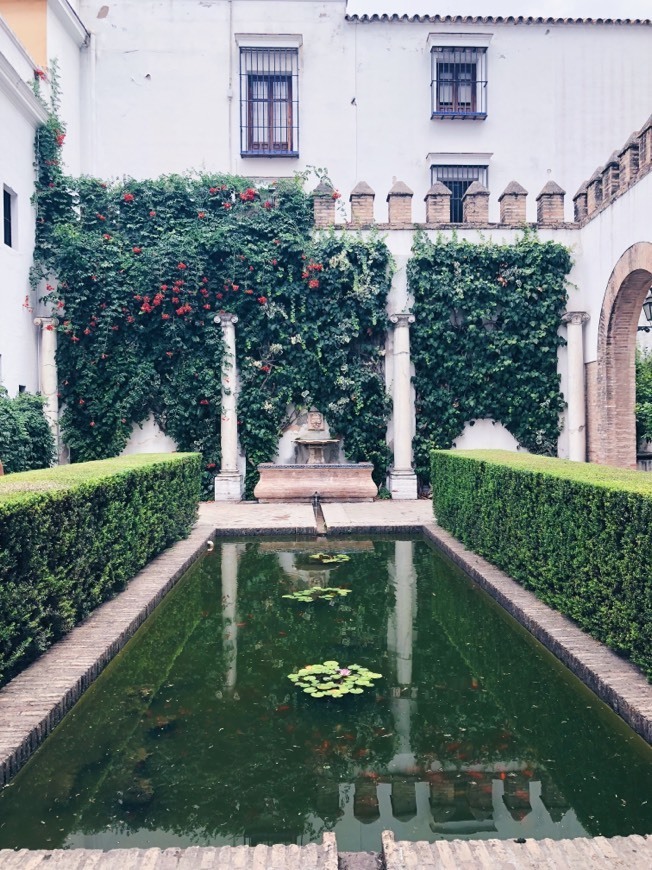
[(458, 179), (459, 83), (269, 102), (7, 206)]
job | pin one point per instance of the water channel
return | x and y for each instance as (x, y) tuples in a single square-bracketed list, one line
[(194, 734)]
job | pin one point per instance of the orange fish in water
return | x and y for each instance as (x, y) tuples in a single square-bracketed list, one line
[(282, 634), (451, 747), (475, 774), (282, 708), (361, 753), (475, 684), (240, 624)]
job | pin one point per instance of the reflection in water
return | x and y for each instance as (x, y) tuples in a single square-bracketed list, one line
[(195, 736)]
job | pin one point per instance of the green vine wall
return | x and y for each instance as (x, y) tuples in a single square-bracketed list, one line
[(140, 270), (485, 339)]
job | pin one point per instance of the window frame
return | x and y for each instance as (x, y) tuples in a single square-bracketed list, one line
[(459, 59), (270, 64), (473, 171), (9, 217)]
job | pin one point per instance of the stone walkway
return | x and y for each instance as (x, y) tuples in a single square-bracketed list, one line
[(33, 703)]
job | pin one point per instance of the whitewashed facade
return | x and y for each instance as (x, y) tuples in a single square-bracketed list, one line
[(371, 91)]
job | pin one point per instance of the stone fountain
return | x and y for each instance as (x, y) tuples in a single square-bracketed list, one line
[(315, 478)]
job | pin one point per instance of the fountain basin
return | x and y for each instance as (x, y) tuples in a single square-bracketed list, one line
[(300, 483)]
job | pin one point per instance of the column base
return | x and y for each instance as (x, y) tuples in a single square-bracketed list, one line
[(402, 484), (229, 486)]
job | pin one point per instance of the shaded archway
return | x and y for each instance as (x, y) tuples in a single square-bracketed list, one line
[(611, 380)]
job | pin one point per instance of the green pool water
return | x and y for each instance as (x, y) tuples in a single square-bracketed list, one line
[(194, 734)]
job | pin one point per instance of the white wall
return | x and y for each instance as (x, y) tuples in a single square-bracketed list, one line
[(164, 70), (19, 115), (65, 39)]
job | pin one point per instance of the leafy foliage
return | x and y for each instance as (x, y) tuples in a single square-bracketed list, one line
[(577, 535), (71, 537), (318, 593), (143, 267), (329, 680), (643, 395), (26, 441), (485, 339)]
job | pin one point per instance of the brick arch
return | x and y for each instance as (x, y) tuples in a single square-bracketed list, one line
[(612, 425)]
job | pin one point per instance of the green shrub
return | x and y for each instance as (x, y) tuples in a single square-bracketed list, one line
[(578, 535), (72, 536), (643, 395), (26, 440)]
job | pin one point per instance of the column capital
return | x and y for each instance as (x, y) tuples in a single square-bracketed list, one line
[(577, 318), (225, 319), (46, 321), (402, 319)]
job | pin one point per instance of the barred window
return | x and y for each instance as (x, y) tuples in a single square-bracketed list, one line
[(458, 179), (459, 82), (8, 218), (269, 102)]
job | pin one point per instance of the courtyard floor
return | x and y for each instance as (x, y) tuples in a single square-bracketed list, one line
[(33, 703)]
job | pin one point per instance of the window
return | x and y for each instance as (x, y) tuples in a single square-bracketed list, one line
[(269, 102), (459, 82), (458, 179), (8, 218)]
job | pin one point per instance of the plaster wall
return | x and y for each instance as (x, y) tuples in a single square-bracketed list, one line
[(167, 95), (64, 45), (18, 119)]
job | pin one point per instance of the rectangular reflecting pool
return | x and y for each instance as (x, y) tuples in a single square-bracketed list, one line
[(195, 735)]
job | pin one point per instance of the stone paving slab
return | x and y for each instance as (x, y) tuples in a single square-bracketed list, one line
[(377, 517), (310, 857), (247, 517), (633, 853)]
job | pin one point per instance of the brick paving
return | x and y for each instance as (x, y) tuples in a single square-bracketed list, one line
[(33, 703)]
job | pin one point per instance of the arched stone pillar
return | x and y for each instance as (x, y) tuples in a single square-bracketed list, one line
[(228, 483), (576, 399), (611, 380)]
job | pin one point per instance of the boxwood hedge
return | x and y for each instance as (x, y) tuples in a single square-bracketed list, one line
[(578, 535), (72, 536)]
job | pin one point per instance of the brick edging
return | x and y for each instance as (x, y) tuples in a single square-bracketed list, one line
[(35, 701), (615, 681)]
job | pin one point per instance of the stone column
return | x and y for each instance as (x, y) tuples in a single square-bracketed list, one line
[(48, 379), (228, 483), (402, 479), (229, 612), (576, 398)]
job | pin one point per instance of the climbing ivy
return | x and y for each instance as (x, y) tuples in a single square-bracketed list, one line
[(142, 268), (485, 339)]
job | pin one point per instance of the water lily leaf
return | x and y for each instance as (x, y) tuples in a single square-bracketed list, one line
[(356, 691)]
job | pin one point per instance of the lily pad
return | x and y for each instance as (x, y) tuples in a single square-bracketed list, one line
[(329, 680)]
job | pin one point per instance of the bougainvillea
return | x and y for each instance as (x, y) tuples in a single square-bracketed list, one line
[(137, 272), (485, 339)]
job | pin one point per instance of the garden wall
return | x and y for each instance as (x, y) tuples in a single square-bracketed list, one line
[(578, 535), (73, 536)]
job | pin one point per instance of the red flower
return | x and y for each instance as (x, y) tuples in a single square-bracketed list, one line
[(267, 204), (115, 328), (305, 274), (313, 284), (175, 300), (262, 299), (106, 237), (210, 465), (49, 327), (181, 266), (82, 402), (235, 286), (249, 292), (248, 195), (92, 423), (212, 190), (128, 197), (105, 356), (100, 217), (169, 352), (204, 402), (336, 194), (203, 291), (130, 319), (179, 282), (204, 280), (201, 214), (206, 307), (226, 205), (61, 138), (165, 317), (265, 369), (274, 262), (152, 213), (40, 74), (137, 250), (87, 331), (74, 338), (219, 295)]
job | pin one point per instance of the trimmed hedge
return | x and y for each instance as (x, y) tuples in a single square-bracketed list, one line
[(72, 536), (578, 535)]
